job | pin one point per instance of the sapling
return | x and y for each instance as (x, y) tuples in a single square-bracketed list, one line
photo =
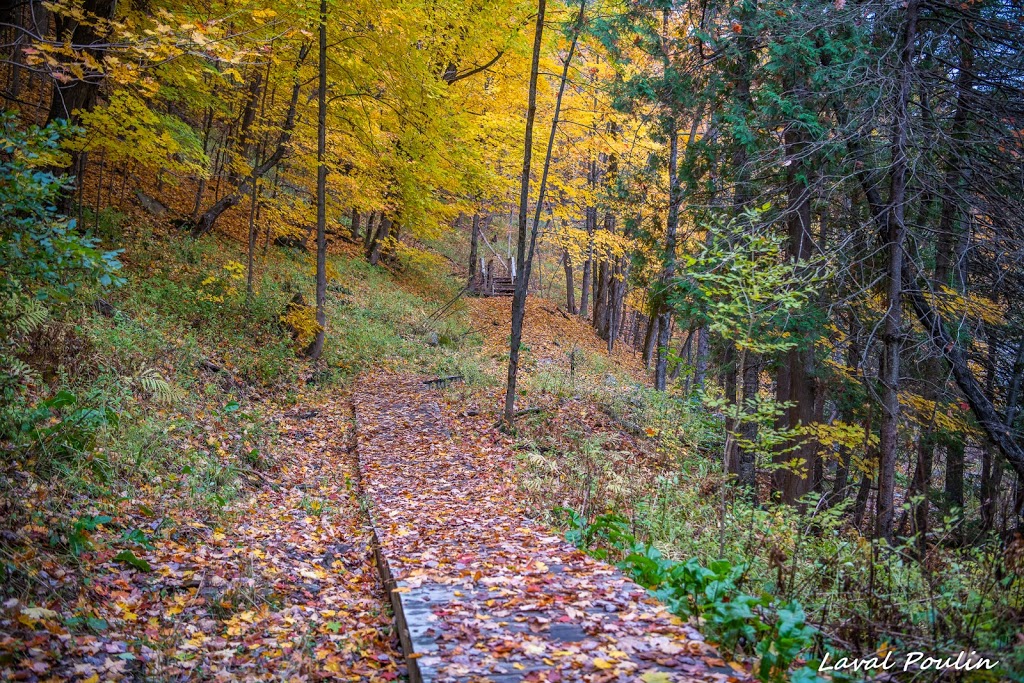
[(742, 286)]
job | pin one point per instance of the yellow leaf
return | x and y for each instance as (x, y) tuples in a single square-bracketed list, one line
[(37, 613), (602, 664), (656, 677)]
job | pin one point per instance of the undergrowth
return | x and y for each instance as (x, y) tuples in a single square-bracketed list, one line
[(637, 481)]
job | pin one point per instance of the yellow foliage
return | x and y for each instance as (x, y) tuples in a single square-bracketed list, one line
[(602, 245), (944, 417), (128, 130), (953, 305), (418, 259), (302, 321), (839, 434), (236, 271), (218, 289), (332, 271)]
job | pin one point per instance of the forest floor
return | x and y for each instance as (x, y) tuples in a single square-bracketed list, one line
[(238, 545), (282, 587)]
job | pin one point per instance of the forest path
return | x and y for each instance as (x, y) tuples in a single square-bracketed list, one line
[(479, 592)]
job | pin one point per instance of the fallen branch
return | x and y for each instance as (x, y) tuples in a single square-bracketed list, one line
[(557, 311), (502, 426), (441, 382)]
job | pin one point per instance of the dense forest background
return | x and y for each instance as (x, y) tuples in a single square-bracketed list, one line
[(796, 229)]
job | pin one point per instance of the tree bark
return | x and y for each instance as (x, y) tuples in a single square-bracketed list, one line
[(79, 94), (653, 323), (700, 369), (796, 383), (377, 245), (354, 225), (524, 253), (474, 244), (588, 264), (570, 285), (372, 225), (892, 329), (747, 462), (669, 266), (317, 348), (251, 253), (519, 297)]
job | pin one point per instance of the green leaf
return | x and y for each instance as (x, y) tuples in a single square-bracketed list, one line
[(128, 557), (61, 400), (96, 624)]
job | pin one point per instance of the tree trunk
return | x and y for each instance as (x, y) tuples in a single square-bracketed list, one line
[(954, 483), (588, 265), (991, 477), (603, 295), (700, 369), (317, 348), (600, 317), (669, 267), (80, 94), (474, 245), (840, 488), (377, 245), (795, 383), (201, 185), (892, 329), (864, 490), (524, 254), (372, 225), (251, 254), (354, 225), (747, 462), (570, 285), (519, 297), (617, 296), (684, 350), (653, 323)]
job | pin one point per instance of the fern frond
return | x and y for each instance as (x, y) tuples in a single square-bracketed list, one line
[(16, 373), (21, 315), (153, 383)]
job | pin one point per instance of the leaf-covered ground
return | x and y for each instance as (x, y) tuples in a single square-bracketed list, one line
[(548, 334), (284, 589), (488, 595)]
